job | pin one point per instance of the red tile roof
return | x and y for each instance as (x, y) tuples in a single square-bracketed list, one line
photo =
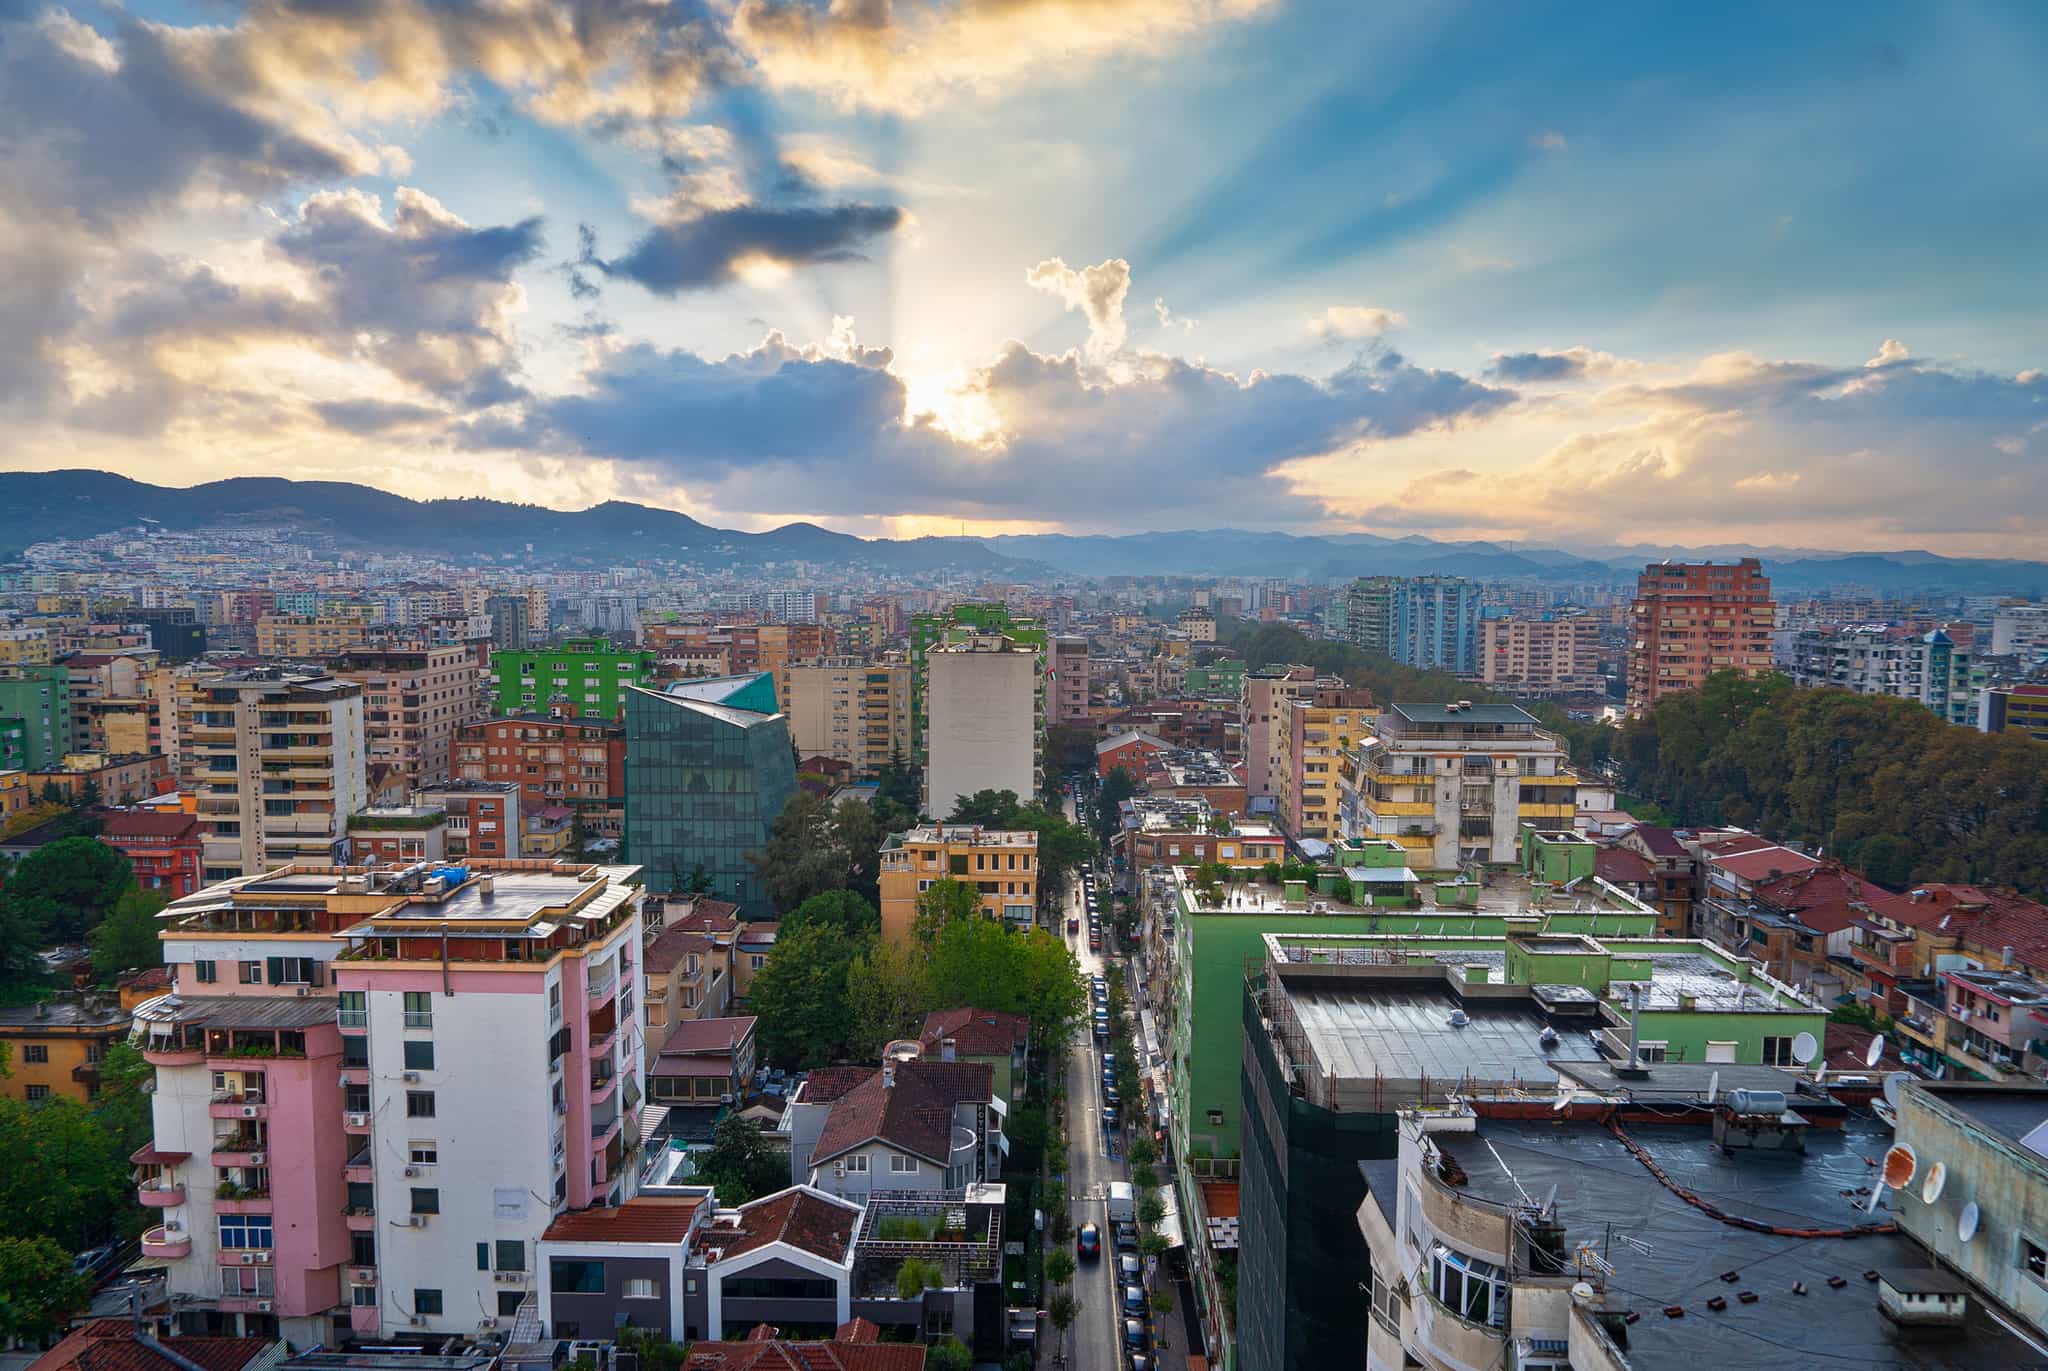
[(109, 1345), (642, 1219), (1988, 919), (667, 951), (708, 1037), (1661, 841), (1764, 863), (976, 1032), (808, 1220), (828, 1083), (1826, 898), (764, 1355), (914, 1115), (1622, 866), (151, 824), (711, 916)]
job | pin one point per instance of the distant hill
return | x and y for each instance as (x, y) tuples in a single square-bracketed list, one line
[(79, 504)]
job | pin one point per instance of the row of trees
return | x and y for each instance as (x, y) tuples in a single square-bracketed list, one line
[(74, 888), (1884, 784), (832, 990)]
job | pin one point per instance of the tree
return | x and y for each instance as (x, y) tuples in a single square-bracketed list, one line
[(1144, 1151), (950, 1355), (943, 903), (1152, 1244), (39, 1292), (858, 833), (1162, 1301), (62, 1175), (127, 938), (800, 996), (1063, 848), (841, 909), (1119, 785), (1059, 1265), (1062, 1309), (899, 784), (989, 808), (740, 1164), (916, 1276), (126, 1079), (887, 997), (698, 882), (802, 858), (1151, 1209), (979, 962), (69, 885)]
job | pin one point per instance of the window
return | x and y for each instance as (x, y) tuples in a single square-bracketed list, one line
[(203, 972), (424, 1153), (511, 1254), (771, 1288), (35, 1054), (857, 1163), (483, 1256), (1778, 1052), (425, 1200), (362, 1296), (508, 1303), (426, 1301), (354, 1009), (251, 973), (1652, 1052), (567, 1276), (419, 1104), (1468, 1287), (419, 1054), (639, 1289), (419, 1009), (38, 1092), (2034, 1259), (245, 1231), (1724, 1052), (1216, 1118), (903, 1165)]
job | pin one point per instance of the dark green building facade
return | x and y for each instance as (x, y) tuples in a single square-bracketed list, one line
[(706, 779), (40, 697)]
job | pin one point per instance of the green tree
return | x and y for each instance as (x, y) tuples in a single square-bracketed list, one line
[(944, 903), (1119, 785), (981, 963), (127, 938), (66, 887), (887, 997), (1151, 1209), (126, 1079), (1064, 847), (841, 909), (916, 1276), (741, 1164), (1144, 1152), (39, 1292), (803, 857), (1059, 1266), (800, 996), (899, 785), (1152, 1244), (1063, 1309), (1162, 1301), (698, 882), (858, 832), (950, 1355), (62, 1175), (989, 808)]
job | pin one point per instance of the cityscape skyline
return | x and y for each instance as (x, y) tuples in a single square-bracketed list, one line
[(1018, 267)]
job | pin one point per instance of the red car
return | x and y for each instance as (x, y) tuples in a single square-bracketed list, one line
[(1088, 1242), (1073, 923)]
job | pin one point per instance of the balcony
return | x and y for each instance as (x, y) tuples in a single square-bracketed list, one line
[(356, 1123), (166, 1245), (184, 1047), (360, 1169), (161, 1194), (244, 1304), (235, 1107), (602, 986), (603, 1130), (603, 1086), (362, 1318), (234, 1200), (239, 1149), (360, 1220)]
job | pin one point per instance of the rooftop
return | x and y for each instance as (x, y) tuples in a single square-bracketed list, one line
[(64, 1012), (1463, 713), (1682, 1252), (967, 835), (976, 1032), (800, 1216), (914, 1113), (111, 1345), (1403, 1032), (645, 1218), (2013, 1111)]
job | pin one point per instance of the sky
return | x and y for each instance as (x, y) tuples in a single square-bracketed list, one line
[(1561, 274)]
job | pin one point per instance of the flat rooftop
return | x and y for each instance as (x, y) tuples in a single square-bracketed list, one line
[(2012, 1111), (1404, 1033), (1603, 1190), (1707, 981)]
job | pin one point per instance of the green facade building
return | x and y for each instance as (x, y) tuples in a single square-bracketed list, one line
[(961, 622), (13, 744), (586, 675), (40, 697), (1217, 678), (709, 768)]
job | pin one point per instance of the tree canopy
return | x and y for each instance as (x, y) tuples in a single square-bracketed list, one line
[(66, 887), (845, 910), (989, 808), (741, 1164), (39, 1292), (127, 938), (1119, 785), (800, 995)]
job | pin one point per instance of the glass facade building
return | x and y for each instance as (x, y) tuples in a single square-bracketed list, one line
[(705, 782)]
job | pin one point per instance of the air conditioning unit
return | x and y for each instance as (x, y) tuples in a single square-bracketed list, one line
[(258, 1158), (415, 1220), (248, 1258), (416, 1321), (839, 1169), (364, 1275), (248, 1111), (358, 1120), (303, 990), (263, 1306), (174, 1226), (412, 1078), (412, 1171), (511, 1277)]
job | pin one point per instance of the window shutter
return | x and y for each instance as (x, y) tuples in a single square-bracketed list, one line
[(483, 1256), (274, 975)]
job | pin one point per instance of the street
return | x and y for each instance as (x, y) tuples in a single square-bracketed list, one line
[(1096, 1339)]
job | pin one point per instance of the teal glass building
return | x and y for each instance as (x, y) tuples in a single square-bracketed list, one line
[(709, 767)]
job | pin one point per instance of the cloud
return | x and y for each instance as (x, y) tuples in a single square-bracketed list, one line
[(1569, 364), (1097, 291), (1167, 318), (723, 245), (1354, 321), (1550, 140), (875, 54)]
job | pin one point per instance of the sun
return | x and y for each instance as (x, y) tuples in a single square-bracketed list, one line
[(950, 402), (760, 271)]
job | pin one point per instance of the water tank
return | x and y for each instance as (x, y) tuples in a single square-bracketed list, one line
[(1757, 1101)]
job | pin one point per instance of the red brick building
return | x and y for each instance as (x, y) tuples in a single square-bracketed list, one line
[(1133, 751), (162, 845), (1692, 619), (483, 816), (573, 762)]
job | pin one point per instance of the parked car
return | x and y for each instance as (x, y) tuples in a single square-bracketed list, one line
[(1088, 1242), (1109, 1095), (1135, 1338), (1134, 1300), (1127, 1268), (1124, 1236), (1109, 1123), (93, 1260), (1102, 1029)]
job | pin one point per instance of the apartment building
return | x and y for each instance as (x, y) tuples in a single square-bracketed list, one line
[(1316, 731), (309, 637), (2014, 709), (1691, 619), (415, 699), (278, 758), (165, 847), (39, 696), (1433, 623), (584, 677), (120, 779), (1369, 612), (1547, 655), (330, 1161), (775, 648), (483, 817), (1001, 863), (573, 761), (55, 1046), (25, 647), (982, 727), (690, 970), (852, 711), (961, 623), (1261, 716), (1454, 783), (2019, 631), (1881, 659), (1068, 680), (111, 707)]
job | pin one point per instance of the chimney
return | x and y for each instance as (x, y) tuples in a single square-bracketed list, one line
[(2005, 958), (888, 1074), (487, 887), (946, 1046)]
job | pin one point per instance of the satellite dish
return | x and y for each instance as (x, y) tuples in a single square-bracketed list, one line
[(1966, 1227), (1713, 1087), (1564, 1097), (1874, 1053), (1582, 1290), (1937, 1178), (1900, 1165), (1804, 1047), (1893, 1084)]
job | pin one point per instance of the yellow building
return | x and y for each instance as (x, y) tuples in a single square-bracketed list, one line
[(1313, 734), (14, 792), (852, 712), (25, 647), (309, 637), (1002, 863), (55, 1046)]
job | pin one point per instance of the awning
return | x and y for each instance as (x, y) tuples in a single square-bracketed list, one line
[(148, 1155)]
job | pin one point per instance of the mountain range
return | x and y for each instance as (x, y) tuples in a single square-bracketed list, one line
[(79, 503)]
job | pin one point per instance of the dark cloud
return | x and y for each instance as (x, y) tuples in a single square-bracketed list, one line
[(1525, 367), (708, 250), (374, 416)]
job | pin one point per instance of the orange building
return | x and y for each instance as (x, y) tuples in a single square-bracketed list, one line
[(1692, 619)]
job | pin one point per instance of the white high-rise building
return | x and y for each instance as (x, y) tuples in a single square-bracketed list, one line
[(982, 727), (279, 761)]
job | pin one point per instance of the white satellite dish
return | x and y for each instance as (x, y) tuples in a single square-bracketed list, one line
[(1564, 1096), (1713, 1087), (1893, 1084), (1804, 1048), (1582, 1291), (1937, 1179), (1966, 1227), (1874, 1053)]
